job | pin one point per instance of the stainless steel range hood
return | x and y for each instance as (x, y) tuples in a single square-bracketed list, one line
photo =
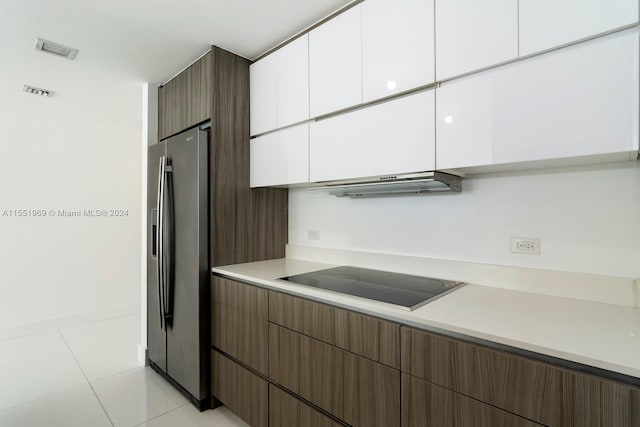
[(416, 183)]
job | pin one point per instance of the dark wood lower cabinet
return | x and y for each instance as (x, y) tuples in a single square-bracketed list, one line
[(367, 336), (287, 411), (351, 388), (241, 336), (522, 386), (593, 402), (428, 405), (242, 391), (284, 361)]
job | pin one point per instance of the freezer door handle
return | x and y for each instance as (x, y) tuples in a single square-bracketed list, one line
[(168, 249), (160, 240), (154, 232)]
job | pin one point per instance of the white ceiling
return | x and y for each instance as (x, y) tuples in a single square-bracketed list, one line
[(149, 40)]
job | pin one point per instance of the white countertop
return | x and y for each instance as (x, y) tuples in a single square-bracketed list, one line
[(601, 335)]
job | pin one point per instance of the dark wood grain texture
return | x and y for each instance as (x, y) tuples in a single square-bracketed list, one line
[(307, 367), (287, 411), (243, 392), (246, 225), (592, 402), (241, 336), (185, 100), (428, 405), (239, 325), (354, 389), (518, 385), (240, 296), (373, 338), (371, 392)]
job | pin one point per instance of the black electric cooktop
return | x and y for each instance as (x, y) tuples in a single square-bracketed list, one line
[(399, 289)]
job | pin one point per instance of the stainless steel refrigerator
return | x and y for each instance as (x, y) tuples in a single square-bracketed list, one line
[(177, 262)]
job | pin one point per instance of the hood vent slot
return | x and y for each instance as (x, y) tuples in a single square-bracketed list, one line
[(55, 48), (37, 91), (416, 183)]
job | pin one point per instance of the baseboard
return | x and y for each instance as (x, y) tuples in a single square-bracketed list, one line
[(143, 354)]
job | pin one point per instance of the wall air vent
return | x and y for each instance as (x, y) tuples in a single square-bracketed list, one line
[(55, 48), (37, 91)]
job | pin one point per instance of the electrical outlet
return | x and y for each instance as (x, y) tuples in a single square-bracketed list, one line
[(525, 245), (313, 234)]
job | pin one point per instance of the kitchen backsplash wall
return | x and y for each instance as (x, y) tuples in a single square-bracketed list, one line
[(588, 220)]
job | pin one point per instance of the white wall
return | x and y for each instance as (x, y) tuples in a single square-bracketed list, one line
[(587, 218), (77, 150), (149, 137)]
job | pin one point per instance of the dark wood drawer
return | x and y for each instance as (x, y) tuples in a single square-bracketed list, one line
[(428, 405), (242, 391), (240, 296), (354, 389), (240, 335), (367, 336), (593, 402), (518, 385), (287, 411)]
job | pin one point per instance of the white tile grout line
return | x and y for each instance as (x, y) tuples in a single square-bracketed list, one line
[(49, 329), (87, 378), (110, 341), (92, 322), (162, 415)]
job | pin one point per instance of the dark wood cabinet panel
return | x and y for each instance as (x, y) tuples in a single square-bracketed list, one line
[(428, 405), (522, 386), (185, 100), (307, 367), (241, 336), (593, 402), (371, 392), (287, 411), (354, 389), (199, 78), (242, 391), (239, 325), (240, 296), (367, 336), (246, 224)]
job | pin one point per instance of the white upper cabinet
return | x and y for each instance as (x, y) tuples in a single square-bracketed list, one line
[(473, 34), (262, 94), (548, 23), (280, 157), (394, 137), (293, 82), (335, 63), (578, 101), (397, 46), (279, 92)]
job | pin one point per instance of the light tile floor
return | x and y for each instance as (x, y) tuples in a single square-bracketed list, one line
[(88, 374)]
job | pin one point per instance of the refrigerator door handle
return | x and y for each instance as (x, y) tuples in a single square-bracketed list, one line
[(160, 240), (167, 251)]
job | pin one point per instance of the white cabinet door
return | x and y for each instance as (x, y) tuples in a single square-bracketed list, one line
[(397, 46), (262, 94), (335, 63), (472, 34), (389, 138), (293, 82), (578, 101), (280, 157), (548, 23)]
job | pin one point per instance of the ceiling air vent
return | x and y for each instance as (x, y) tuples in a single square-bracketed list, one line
[(37, 91), (55, 48)]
